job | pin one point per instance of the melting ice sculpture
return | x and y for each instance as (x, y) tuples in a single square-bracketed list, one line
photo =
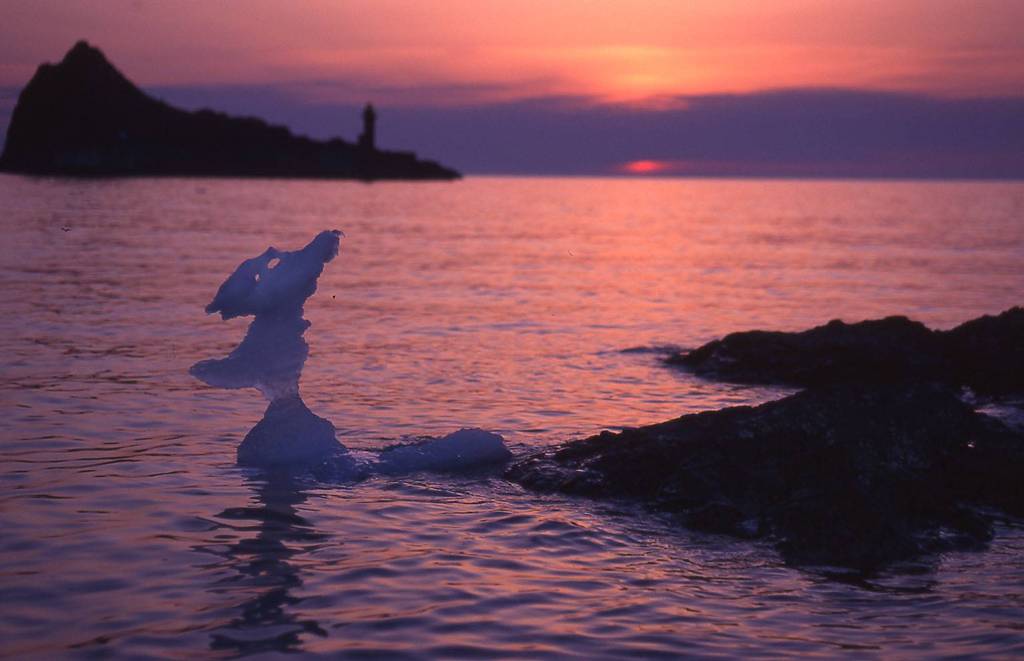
[(273, 287)]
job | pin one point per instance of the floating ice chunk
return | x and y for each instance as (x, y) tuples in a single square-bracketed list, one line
[(462, 450), (276, 280), (273, 287), (289, 434), (269, 358)]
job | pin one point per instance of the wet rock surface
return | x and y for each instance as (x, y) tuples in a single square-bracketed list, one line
[(858, 475), (985, 354)]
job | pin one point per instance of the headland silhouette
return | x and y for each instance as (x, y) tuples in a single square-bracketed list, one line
[(82, 116)]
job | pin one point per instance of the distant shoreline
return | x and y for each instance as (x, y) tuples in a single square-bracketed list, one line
[(83, 117), (517, 175)]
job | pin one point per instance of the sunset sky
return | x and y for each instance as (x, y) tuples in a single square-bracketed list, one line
[(448, 75)]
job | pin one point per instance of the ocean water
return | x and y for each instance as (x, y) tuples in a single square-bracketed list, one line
[(537, 308)]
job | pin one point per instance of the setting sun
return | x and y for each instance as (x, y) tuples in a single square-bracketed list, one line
[(646, 167)]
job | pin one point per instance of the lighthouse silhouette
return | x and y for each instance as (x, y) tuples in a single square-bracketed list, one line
[(368, 138)]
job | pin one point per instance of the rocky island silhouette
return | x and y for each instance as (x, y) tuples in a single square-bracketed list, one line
[(82, 116)]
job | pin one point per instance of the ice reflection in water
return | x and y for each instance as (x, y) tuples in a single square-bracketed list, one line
[(266, 568)]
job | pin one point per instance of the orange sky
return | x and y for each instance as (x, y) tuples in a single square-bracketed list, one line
[(480, 50)]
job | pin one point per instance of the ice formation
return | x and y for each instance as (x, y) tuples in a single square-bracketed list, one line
[(273, 288), (461, 450)]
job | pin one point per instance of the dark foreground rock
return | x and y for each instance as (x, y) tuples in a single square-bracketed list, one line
[(850, 475), (985, 354), (82, 116)]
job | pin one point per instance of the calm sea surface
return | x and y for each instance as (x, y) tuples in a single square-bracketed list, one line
[(126, 530)]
